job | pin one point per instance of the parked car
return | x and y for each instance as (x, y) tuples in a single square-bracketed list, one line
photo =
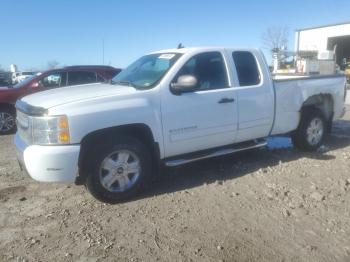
[(5, 79), (14, 77), (169, 108), (24, 75), (67, 76)]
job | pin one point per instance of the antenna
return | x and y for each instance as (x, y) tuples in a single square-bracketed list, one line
[(103, 51), (179, 46)]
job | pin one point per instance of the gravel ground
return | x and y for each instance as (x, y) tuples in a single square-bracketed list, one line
[(272, 204)]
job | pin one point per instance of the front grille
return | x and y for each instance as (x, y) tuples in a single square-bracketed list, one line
[(24, 127)]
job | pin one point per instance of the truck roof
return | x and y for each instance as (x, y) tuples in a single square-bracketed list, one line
[(200, 48), (90, 67)]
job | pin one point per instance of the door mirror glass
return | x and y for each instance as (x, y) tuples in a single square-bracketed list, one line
[(35, 84), (185, 83)]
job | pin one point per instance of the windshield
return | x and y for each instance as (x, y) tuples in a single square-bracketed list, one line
[(147, 71), (24, 82)]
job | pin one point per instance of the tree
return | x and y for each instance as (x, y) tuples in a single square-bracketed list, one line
[(275, 39), (52, 64)]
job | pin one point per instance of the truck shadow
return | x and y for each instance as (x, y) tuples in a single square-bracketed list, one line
[(222, 169)]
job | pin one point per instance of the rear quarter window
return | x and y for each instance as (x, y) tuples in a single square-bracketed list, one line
[(100, 79), (247, 68)]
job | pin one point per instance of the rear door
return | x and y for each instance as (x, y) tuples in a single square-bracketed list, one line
[(81, 77), (204, 118), (255, 95)]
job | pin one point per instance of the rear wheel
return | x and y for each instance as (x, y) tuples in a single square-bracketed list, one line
[(311, 131), (120, 170), (7, 121)]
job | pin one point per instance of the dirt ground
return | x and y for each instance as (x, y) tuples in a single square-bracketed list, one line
[(272, 204)]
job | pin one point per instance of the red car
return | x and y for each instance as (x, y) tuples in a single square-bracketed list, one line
[(67, 76)]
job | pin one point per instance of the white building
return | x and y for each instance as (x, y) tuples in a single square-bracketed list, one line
[(334, 37)]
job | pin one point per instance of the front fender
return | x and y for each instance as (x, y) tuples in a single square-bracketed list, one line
[(86, 117)]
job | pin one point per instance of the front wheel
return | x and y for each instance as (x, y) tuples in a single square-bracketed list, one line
[(119, 170), (311, 131), (7, 121)]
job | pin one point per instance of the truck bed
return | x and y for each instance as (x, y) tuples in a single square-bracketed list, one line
[(292, 92)]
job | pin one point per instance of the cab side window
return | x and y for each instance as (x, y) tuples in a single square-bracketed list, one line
[(247, 68), (208, 68), (53, 80), (81, 77)]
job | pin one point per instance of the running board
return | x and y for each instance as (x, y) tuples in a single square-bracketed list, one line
[(219, 152)]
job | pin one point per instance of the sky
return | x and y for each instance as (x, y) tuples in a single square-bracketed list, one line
[(35, 32)]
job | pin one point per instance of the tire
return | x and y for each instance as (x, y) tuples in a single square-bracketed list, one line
[(119, 170), (311, 131), (7, 121)]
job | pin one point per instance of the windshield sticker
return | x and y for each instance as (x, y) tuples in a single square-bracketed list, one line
[(166, 56)]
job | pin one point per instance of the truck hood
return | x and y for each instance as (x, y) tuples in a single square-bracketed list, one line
[(55, 97)]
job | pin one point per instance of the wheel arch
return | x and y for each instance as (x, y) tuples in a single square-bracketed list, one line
[(138, 130), (322, 102)]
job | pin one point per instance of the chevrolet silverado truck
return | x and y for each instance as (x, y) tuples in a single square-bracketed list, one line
[(169, 108)]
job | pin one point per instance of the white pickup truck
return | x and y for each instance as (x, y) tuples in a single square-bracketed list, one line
[(169, 108)]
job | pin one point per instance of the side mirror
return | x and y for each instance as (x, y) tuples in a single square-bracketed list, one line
[(185, 83), (35, 85)]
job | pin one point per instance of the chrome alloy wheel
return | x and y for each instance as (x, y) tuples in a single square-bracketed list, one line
[(7, 122), (119, 171), (314, 132)]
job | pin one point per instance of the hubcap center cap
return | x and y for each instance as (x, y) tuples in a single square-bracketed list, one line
[(120, 170)]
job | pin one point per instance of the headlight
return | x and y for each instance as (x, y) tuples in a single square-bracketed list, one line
[(50, 130)]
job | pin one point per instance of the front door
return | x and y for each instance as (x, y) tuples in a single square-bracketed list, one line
[(207, 116)]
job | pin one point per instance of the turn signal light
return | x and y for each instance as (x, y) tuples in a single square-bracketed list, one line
[(64, 137)]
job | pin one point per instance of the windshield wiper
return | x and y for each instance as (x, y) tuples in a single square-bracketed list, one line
[(124, 83)]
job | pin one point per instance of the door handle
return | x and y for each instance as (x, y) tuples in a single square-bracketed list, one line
[(226, 100)]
